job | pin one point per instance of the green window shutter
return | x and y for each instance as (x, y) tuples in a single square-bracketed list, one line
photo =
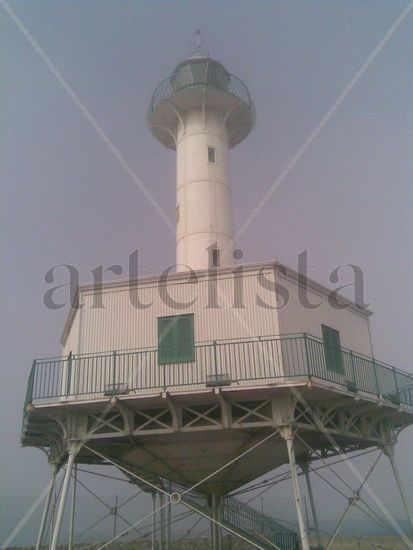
[(186, 345), (176, 339), (166, 340), (332, 350)]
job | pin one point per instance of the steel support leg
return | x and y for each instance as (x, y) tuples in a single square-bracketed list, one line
[(46, 508), (53, 514), (168, 519), (62, 502), (287, 435), (153, 521), (306, 471), (162, 518), (214, 530), (389, 452), (72, 512), (219, 518)]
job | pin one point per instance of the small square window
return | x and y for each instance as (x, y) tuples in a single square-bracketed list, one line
[(211, 154)]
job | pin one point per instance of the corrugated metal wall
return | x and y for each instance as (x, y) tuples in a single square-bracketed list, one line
[(226, 307), (72, 341), (296, 318)]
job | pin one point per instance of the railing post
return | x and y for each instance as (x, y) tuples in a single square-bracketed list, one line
[(307, 359), (114, 372), (69, 374), (396, 384), (29, 392), (30, 386), (376, 378), (353, 372), (215, 359)]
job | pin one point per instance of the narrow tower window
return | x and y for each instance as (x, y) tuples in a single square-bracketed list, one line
[(211, 154), (215, 257), (177, 214)]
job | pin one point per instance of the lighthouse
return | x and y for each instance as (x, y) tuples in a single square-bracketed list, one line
[(201, 111), (194, 385)]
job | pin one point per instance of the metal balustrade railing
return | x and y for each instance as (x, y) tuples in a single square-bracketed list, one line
[(259, 526), (233, 86), (250, 361), (242, 518)]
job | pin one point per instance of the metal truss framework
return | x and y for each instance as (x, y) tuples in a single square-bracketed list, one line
[(351, 419), (349, 424), (216, 531)]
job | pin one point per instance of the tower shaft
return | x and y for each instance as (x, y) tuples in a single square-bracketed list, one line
[(202, 111), (204, 200)]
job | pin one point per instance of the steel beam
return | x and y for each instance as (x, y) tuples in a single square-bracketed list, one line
[(219, 518), (153, 521), (352, 502), (168, 518), (389, 452), (162, 518), (214, 542), (287, 435), (46, 508), (63, 498), (306, 470), (72, 512)]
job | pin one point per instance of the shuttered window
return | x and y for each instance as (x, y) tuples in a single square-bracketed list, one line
[(176, 339), (332, 349)]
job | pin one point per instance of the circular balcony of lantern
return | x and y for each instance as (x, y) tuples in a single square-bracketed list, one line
[(205, 83)]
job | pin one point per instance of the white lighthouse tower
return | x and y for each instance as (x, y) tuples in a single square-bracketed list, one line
[(202, 111)]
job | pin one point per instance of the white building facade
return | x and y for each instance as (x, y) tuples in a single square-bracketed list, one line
[(228, 326)]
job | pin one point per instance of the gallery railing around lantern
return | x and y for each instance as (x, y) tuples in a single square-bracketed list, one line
[(234, 86), (237, 363)]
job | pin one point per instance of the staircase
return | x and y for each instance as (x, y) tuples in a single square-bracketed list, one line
[(259, 529)]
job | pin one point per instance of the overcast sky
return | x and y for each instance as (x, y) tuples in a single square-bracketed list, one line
[(67, 199)]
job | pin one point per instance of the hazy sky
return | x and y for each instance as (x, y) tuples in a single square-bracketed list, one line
[(67, 199)]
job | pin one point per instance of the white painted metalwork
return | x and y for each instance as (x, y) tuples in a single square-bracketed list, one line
[(46, 508), (62, 501), (73, 508), (153, 521), (389, 452), (288, 436), (305, 468)]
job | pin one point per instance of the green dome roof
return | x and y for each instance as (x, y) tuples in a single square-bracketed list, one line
[(200, 71)]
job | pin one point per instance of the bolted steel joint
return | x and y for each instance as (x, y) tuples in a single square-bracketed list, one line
[(175, 498)]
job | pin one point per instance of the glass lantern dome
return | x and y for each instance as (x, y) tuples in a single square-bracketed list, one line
[(200, 72)]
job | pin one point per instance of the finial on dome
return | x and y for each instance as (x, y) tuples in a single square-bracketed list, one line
[(200, 51)]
